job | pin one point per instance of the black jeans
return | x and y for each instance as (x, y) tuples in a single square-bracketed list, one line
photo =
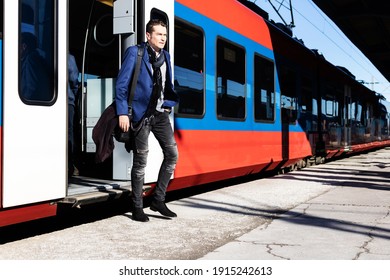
[(160, 126)]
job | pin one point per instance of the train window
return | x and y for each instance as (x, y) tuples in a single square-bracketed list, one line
[(37, 53), (331, 105), (359, 113), (189, 73), (346, 115), (365, 113), (306, 104), (289, 98), (353, 110), (230, 81), (264, 89), (306, 97)]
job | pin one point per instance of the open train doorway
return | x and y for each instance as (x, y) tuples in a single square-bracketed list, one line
[(98, 42)]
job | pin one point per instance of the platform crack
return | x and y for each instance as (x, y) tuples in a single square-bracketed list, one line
[(371, 236)]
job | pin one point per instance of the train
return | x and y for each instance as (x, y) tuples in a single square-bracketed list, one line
[(253, 99)]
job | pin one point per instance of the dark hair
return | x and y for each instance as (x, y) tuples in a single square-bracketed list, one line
[(152, 23)]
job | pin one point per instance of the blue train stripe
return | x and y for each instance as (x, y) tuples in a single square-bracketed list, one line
[(213, 30)]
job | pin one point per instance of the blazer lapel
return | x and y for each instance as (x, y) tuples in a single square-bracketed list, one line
[(148, 66)]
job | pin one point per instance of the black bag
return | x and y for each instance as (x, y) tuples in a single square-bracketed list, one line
[(122, 136), (119, 134)]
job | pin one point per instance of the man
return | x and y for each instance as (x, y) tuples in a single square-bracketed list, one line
[(73, 88), (153, 101), (35, 81)]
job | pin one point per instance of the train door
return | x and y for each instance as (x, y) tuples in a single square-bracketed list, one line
[(34, 102), (289, 104), (114, 30)]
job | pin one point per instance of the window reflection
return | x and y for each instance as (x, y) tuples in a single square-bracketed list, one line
[(189, 76), (230, 81), (37, 51), (264, 89)]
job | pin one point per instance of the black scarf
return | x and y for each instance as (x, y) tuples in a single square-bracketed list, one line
[(157, 79)]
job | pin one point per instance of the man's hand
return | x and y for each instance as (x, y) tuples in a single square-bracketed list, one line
[(124, 123)]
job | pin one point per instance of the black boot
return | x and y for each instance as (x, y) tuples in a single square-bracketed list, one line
[(139, 215), (162, 208)]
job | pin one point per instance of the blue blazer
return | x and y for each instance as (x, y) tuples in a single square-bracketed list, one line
[(143, 90)]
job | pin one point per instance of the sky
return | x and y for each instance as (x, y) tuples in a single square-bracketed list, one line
[(319, 32)]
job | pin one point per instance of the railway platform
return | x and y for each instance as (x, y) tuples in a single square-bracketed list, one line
[(348, 221), (333, 211)]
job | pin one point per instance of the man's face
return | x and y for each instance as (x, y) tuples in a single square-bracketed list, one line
[(157, 38)]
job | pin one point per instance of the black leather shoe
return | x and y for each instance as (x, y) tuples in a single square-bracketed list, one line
[(139, 215), (162, 208)]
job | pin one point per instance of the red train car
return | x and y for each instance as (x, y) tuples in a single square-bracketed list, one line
[(253, 99)]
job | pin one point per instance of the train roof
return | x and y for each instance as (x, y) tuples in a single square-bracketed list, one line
[(297, 45)]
